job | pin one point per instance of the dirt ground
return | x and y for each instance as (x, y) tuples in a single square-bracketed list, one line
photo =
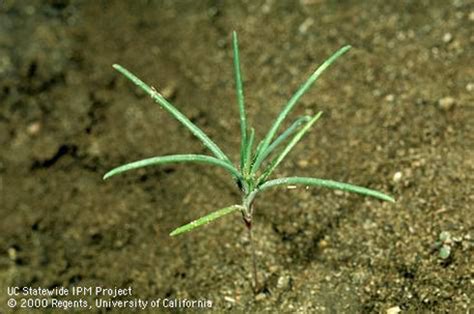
[(398, 117)]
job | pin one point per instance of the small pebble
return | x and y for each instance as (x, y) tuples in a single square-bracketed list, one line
[(12, 253), (273, 269), (229, 299), (323, 244), (303, 163), (283, 282), (260, 297), (470, 87), (267, 7), (419, 163), (397, 176), (471, 16), (394, 310), (446, 103), (303, 28), (447, 37), (34, 128), (390, 98)]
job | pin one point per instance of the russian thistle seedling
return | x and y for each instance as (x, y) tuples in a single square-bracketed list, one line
[(257, 164)]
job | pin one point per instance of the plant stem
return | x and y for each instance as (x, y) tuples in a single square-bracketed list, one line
[(248, 224)]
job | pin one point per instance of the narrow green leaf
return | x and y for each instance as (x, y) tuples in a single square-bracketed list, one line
[(174, 159), (289, 147), (293, 127), (174, 112), (248, 151), (257, 151), (293, 100), (240, 99), (327, 184), (205, 219)]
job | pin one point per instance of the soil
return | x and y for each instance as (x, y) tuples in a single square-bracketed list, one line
[(398, 117)]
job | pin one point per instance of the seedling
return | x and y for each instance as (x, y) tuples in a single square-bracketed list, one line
[(257, 164), (444, 244)]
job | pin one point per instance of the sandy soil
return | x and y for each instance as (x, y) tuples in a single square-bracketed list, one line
[(399, 115)]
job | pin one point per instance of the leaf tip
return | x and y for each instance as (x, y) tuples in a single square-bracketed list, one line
[(345, 49), (174, 233), (388, 198)]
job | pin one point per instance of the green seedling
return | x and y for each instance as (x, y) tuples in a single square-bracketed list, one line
[(444, 244), (257, 163)]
